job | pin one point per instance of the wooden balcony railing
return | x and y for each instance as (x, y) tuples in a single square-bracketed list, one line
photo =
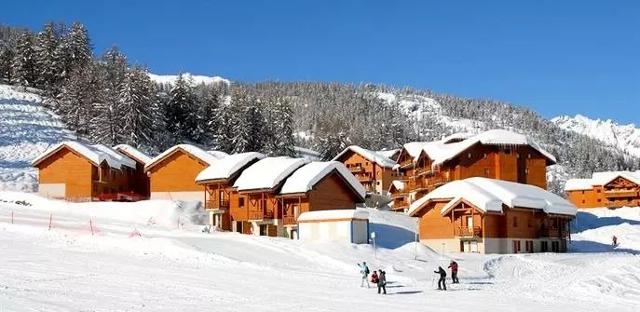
[(364, 177), (289, 219), (423, 171), (356, 169), (258, 215), (620, 193), (552, 232), (217, 204), (465, 231)]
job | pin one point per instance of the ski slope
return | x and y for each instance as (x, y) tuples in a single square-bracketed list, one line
[(173, 266), (26, 130)]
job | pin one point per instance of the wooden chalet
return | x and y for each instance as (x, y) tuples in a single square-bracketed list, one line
[(76, 171), (495, 154), (140, 180), (172, 174), (372, 169), (493, 216), (610, 189)]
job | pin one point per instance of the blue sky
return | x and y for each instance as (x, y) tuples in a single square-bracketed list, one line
[(558, 57)]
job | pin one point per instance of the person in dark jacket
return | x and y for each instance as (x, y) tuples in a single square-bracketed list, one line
[(454, 272), (382, 282), (443, 278)]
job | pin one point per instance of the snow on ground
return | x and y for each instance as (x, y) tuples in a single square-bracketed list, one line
[(171, 268), (26, 130)]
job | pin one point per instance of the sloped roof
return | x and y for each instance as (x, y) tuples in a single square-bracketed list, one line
[(398, 184), (206, 156), (267, 173), (133, 152), (96, 154), (601, 178), (368, 154), (336, 214), (489, 195), (228, 166), (303, 179), (389, 153)]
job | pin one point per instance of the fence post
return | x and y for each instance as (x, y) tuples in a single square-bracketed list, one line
[(91, 226), (50, 220), (11, 216)]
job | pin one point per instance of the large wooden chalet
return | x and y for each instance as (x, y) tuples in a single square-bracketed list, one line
[(610, 189), (373, 169), (75, 171), (173, 173), (493, 216), (496, 154), (251, 194)]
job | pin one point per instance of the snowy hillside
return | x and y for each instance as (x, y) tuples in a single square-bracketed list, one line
[(197, 79), (152, 256), (624, 137), (26, 130)]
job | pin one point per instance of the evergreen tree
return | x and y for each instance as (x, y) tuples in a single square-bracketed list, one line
[(136, 94), (180, 112), (75, 50), (208, 123), (23, 65), (47, 60), (282, 130), (6, 58), (79, 99)]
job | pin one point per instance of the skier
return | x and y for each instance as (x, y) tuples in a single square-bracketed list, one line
[(374, 277), (364, 272), (443, 277), (614, 241), (382, 282), (454, 272)]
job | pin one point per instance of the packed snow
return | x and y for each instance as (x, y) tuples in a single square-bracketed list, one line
[(303, 179), (27, 129), (490, 195), (624, 137), (196, 79), (152, 256)]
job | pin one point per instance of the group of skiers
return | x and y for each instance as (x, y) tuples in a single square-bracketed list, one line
[(380, 278)]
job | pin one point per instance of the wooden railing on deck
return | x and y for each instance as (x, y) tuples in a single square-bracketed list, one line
[(476, 231)]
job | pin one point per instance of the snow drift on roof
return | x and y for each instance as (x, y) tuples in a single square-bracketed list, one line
[(96, 153), (490, 195), (205, 156), (303, 179), (133, 152), (228, 166), (337, 214), (398, 184), (267, 173), (601, 178), (368, 154), (388, 153)]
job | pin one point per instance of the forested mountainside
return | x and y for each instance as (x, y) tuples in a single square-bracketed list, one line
[(106, 99)]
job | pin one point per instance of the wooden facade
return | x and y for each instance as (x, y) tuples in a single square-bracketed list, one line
[(67, 174), (139, 180), (518, 163), (465, 228), (375, 177), (617, 192)]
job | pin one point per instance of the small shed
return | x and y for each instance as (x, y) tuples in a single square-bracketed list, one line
[(343, 225)]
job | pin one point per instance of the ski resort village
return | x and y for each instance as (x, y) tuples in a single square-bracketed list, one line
[(125, 190)]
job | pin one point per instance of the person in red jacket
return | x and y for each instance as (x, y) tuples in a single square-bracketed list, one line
[(454, 272)]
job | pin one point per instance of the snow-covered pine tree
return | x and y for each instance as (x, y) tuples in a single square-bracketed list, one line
[(248, 127), (6, 58), (330, 144), (74, 50), (180, 114), (282, 129), (23, 65), (140, 108), (78, 99), (47, 60), (207, 125)]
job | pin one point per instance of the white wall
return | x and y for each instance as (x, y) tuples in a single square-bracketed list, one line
[(52, 190), (334, 231)]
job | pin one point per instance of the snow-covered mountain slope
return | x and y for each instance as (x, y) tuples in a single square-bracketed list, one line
[(197, 79), (26, 130), (624, 137), (151, 257)]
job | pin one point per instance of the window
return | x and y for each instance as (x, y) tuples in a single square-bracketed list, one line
[(598, 190), (582, 192), (544, 246), (583, 201), (515, 221), (599, 200), (240, 201)]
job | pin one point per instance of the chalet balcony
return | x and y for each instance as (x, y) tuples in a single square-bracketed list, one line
[(289, 220), (364, 177), (217, 204), (356, 169), (259, 215), (423, 171), (552, 232), (621, 193), (406, 164), (465, 231), (417, 184)]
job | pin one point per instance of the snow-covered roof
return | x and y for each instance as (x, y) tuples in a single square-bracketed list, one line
[(206, 156), (398, 184), (601, 178), (489, 195), (448, 148), (303, 179), (96, 154), (336, 214), (228, 166), (133, 152), (267, 173), (388, 153), (368, 154), (218, 154)]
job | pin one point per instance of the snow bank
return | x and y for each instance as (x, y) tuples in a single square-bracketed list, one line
[(490, 195)]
